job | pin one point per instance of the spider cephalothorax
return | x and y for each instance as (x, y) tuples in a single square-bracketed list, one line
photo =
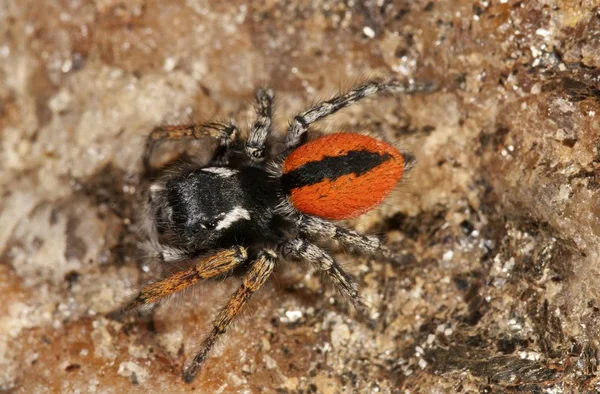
[(245, 211)]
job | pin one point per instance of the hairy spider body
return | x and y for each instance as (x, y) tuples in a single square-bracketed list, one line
[(244, 211), (200, 209)]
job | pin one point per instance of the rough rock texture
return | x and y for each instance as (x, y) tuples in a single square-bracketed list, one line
[(499, 222)]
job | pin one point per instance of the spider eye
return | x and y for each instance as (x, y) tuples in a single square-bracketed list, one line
[(210, 225)]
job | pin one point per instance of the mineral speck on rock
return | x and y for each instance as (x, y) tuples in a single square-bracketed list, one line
[(497, 224)]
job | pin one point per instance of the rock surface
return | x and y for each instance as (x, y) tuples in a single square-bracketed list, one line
[(499, 223)]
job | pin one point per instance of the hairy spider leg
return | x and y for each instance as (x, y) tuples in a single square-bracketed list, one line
[(300, 124), (260, 270), (219, 263), (227, 134), (314, 227), (256, 144), (323, 262)]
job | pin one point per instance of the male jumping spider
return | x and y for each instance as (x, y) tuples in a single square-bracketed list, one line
[(245, 211)]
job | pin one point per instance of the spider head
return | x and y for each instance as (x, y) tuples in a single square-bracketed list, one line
[(199, 209)]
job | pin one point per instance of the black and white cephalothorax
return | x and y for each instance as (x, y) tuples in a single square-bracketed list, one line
[(237, 210), (200, 209)]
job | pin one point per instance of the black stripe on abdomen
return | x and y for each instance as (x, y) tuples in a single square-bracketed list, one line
[(357, 162)]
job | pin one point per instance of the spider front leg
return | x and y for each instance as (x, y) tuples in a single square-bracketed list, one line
[(323, 262), (227, 133), (300, 124), (318, 228), (261, 269), (219, 263), (261, 128)]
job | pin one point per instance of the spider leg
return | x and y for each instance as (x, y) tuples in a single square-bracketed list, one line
[(318, 228), (226, 133), (258, 274), (300, 124), (219, 263), (261, 128), (322, 261)]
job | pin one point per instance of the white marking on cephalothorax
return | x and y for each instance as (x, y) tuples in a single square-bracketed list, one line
[(233, 216), (221, 171)]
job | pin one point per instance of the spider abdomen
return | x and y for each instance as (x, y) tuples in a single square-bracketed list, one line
[(341, 176)]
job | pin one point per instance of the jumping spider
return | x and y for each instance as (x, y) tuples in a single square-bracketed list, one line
[(245, 211)]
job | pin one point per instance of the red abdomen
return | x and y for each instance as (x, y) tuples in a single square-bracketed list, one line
[(341, 176)]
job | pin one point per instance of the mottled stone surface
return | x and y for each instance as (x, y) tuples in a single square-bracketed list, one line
[(499, 222)]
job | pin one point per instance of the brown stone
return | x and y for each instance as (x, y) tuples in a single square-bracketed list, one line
[(499, 222)]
